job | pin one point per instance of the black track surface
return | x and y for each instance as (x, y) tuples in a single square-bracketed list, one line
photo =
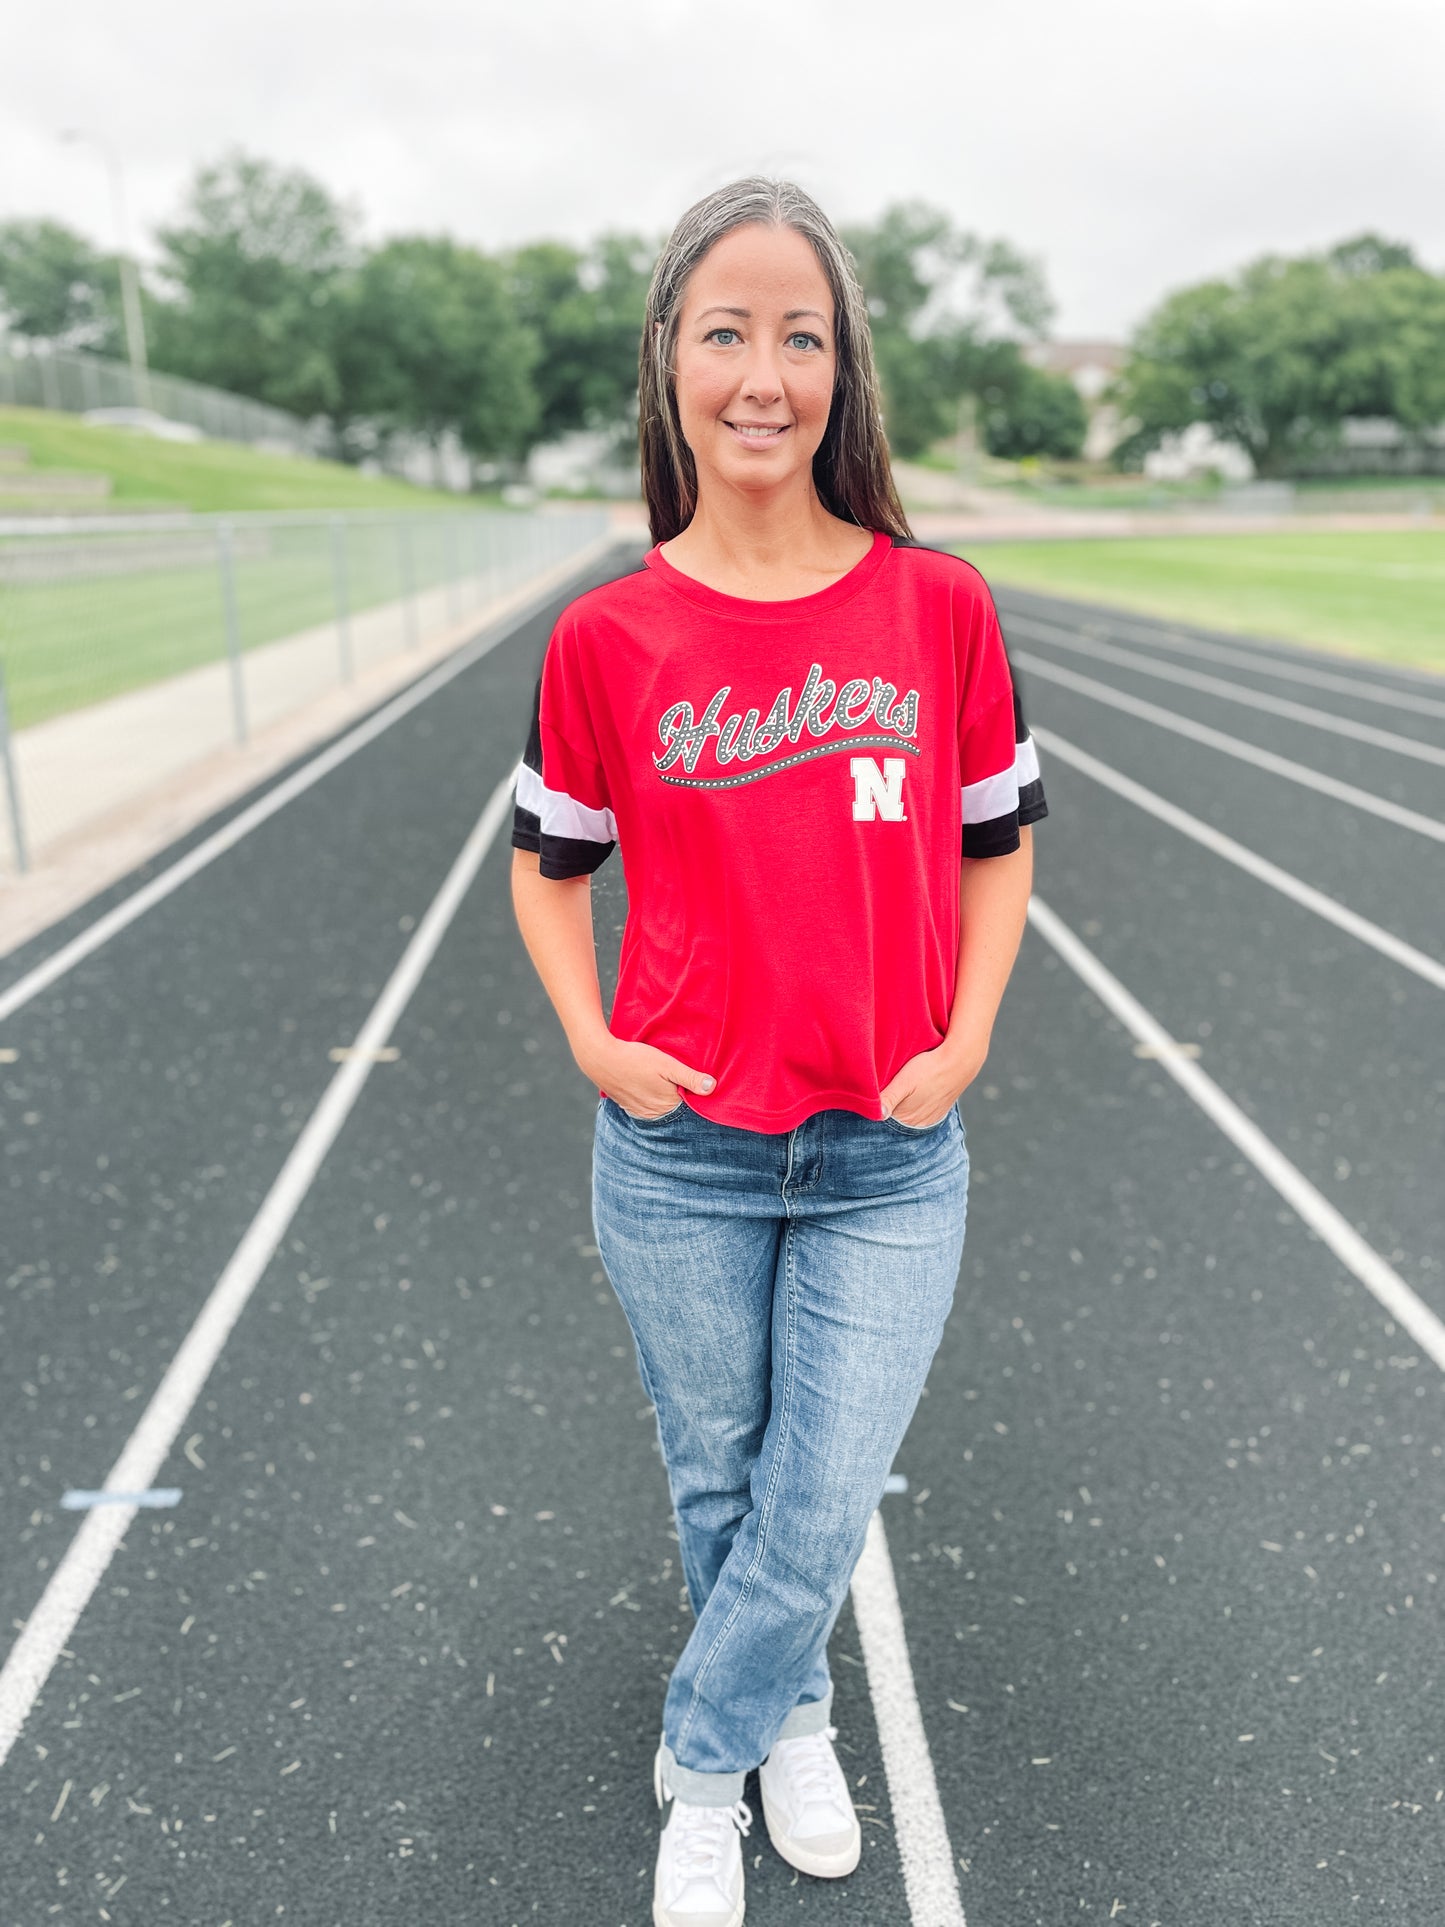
[(1169, 1562)]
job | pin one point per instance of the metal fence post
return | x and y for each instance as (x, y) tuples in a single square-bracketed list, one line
[(408, 586), (225, 557), (451, 567), (338, 581), (12, 781)]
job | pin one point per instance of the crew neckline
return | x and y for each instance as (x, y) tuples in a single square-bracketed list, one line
[(750, 608)]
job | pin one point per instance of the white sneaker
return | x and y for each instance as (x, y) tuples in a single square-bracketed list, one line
[(699, 1878), (807, 1806)]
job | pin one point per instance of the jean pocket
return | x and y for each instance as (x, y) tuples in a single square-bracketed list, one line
[(661, 1118), (920, 1130)]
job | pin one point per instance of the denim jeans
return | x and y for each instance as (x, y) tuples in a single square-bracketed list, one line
[(786, 1292)]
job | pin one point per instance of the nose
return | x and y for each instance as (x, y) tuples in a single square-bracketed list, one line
[(761, 381)]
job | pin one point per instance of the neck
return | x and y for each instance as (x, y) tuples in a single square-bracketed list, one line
[(751, 532)]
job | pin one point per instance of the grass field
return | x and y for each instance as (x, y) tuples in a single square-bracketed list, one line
[(202, 476), (67, 642), (1370, 595)]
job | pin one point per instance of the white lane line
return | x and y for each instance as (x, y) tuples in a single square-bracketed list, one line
[(125, 913), (160, 1495), (1287, 884), (1233, 693), (1328, 1224), (929, 1879), (90, 1552), (1261, 663), (1170, 719)]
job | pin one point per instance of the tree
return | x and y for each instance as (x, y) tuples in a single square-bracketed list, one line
[(940, 301), (255, 266), (1028, 411), (1275, 359), (429, 340), (585, 309), (54, 286)]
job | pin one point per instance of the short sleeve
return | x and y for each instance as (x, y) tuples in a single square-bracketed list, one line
[(1001, 785), (562, 809)]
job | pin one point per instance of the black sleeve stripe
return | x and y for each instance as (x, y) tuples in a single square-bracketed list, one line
[(565, 856), (526, 829), (560, 856), (998, 837), (1032, 807)]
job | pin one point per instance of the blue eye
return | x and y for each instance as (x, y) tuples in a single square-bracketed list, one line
[(718, 331)]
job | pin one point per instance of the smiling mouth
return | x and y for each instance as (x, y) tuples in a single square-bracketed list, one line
[(759, 434)]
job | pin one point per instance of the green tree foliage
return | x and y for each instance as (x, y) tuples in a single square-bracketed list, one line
[(253, 271), (946, 310), (54, 286), (429, 340), (585, 309), (1027, 411), (1275, 359)]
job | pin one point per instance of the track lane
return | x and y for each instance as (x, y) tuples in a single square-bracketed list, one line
[(1332, 675), (160, 1085), (436, 1341), (1159, 1403), (1383, 871), (428, 1463)]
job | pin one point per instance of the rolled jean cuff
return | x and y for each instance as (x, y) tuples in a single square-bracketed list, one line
[(810, 1716), (698, 1789), (725, 1789)]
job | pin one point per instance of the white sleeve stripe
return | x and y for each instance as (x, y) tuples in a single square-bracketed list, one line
[(562, 815), (998, 795)]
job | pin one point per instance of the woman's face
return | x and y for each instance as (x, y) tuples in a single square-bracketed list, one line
[(755, 351)]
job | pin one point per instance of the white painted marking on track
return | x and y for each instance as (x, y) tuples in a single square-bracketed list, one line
[(1305, 713), (241, 825), (1266, 759), (344, 1053), (1171, 1049), (1289, 885), (159, 1495), (1265, 664), (83, 1566), (929, 1878), (1328, 1224)]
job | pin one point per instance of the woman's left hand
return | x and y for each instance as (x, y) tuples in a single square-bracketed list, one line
[(927, 1087)]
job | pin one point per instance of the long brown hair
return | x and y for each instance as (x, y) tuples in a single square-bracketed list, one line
[(851, 470)]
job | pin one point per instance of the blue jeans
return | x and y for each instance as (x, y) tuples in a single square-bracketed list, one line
[(786, 1292)]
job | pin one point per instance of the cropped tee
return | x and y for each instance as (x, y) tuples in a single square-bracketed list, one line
[(791, 786)]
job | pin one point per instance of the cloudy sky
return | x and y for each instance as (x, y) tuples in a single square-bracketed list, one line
[(1131, 145)]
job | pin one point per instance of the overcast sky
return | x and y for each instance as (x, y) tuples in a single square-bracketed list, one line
[(1132, 145)]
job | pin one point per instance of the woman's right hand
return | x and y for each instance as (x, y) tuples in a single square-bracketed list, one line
[(645, 1081)]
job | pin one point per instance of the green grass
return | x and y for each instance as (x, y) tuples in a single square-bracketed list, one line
[(68, 642), (1372, 595), (202, 476)]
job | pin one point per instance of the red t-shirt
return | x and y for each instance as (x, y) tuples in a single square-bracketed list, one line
[(791, 785)]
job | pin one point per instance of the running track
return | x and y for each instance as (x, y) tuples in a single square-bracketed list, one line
[(1168, 1561)]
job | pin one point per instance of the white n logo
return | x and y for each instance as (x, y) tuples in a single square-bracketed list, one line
[(877, 790)]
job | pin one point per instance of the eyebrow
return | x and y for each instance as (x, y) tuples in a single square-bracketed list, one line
[(793, 314)]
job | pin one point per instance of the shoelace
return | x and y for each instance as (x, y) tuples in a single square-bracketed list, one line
[(701, 1834), (812, 1768)]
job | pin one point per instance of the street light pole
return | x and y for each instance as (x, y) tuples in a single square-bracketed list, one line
[(135, 338)]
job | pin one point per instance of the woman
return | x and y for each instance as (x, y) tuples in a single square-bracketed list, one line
[(803, 735)]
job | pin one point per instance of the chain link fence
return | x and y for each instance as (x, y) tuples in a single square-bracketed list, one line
[(75, 383), (131, 648)]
